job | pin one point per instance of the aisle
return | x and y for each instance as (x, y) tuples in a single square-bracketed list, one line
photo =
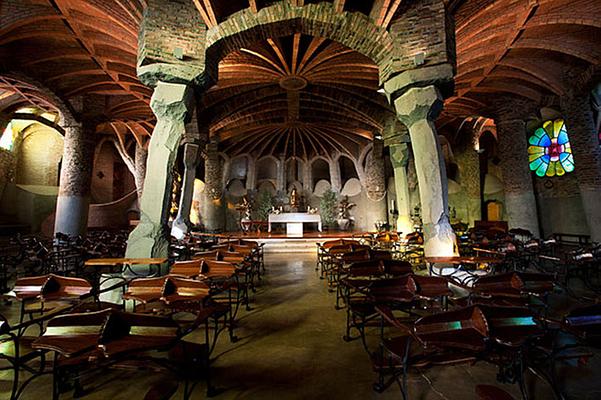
[(291, 347)]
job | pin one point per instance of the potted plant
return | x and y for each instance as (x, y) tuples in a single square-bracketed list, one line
[(327, 208), (264, 205)]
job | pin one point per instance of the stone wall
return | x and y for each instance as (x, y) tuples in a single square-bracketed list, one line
[(560, 205), (7, 170), (102, 175), (40, 153)]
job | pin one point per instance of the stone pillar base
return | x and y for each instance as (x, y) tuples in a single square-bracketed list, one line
[(72, 215), (439, 239), (590, 201), (148, 240), (404, 224), (521, 211)]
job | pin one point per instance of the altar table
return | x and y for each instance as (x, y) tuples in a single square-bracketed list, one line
[(294, 222)]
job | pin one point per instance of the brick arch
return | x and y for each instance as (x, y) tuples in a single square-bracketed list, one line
[(33, 93), (354, 30)]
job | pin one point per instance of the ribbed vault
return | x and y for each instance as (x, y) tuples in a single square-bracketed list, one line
[(534, 49), (296, 96), (78, 48)]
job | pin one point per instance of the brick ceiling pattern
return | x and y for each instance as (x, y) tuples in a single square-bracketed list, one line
[(534, 49), (287, 96)]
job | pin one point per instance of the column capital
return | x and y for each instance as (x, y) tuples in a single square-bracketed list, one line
[(399, 155), (437, 75), (419, 104), (172, 101)]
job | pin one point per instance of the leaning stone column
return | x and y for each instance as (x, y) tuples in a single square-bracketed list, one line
[(171, 103), (182, 221), (335, 178), (73, 202), (469, 167), (140, 167), (399, 156), (251, 173), (520, 201), (418, 108), (375, 183), (280, 182), (587, 157), (213, 205)]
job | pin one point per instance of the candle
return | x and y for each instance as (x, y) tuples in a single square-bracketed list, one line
[(392, 204)]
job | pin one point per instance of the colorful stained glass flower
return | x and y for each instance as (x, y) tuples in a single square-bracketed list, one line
[(550, 153)]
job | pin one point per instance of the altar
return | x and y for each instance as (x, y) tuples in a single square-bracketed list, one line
[(294, 222)]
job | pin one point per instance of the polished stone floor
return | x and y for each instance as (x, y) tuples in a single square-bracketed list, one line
[(291, 347)]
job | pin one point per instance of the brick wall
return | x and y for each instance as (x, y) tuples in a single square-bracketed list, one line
[(170, 24), (354, 30), (422, 26)]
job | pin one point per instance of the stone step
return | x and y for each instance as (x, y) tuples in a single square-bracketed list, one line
[(289, 246)]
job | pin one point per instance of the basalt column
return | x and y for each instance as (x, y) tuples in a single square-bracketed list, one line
[(171, 104), (418, 108), (587, 157), (182, 221), (399, 156), (213, 208), (520, 208), (73, 203)]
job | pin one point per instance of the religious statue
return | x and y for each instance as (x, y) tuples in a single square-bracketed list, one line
[(244, 208), (343, 213), (294, 200)]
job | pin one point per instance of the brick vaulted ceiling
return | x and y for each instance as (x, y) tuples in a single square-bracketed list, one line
[(297, 95), (537, 49)]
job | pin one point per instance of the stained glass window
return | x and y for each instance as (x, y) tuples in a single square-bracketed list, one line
[(550, 153)]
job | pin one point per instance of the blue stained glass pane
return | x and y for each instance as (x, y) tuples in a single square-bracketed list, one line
[(563, 137), (542, 170), (535, 164), (546, 158)]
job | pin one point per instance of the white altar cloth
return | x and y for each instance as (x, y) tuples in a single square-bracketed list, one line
[(294, 222)]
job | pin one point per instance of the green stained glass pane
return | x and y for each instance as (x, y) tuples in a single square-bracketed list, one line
[(550, 153)]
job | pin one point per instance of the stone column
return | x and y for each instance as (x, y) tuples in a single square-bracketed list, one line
[(418, 108), (181, 224), (469, 173), (73, 202), (520, 206), (171, 104), (335, 178), (213, 212), (251, 174), (399, 156), (140, 168), (375, 184), (307, 178), (280, 182), (582, 132)]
